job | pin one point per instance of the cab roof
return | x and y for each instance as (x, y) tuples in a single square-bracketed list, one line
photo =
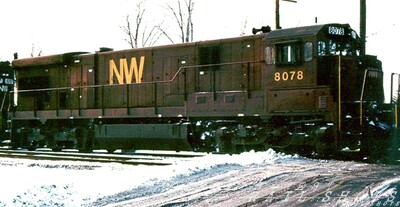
[(300, 31)]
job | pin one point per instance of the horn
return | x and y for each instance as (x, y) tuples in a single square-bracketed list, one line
[(263, 29)]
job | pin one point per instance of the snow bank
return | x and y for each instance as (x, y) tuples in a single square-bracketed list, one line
[(383, 194), (55, 183), (243, 159)]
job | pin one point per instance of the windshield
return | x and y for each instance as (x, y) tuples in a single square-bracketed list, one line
[(344, 44)]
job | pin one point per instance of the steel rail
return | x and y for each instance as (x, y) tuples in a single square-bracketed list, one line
[(85, 157)]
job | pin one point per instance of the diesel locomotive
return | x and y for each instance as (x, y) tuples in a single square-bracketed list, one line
[(306, 89)]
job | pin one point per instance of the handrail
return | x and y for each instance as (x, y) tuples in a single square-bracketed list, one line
[(396, 120), (149, 82), (3, 101), (340, 93)]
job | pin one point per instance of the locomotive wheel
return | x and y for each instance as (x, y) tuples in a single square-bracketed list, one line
[(56, 149), (374, 144), (325, 146), (223, 142), (111, 151), (224, 146), (33, 145), (51, 140), (84, 143), (325, 150), (20, 138)]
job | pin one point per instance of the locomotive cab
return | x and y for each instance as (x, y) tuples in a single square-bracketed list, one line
[(302, 69), (291, 72), (316, 76)]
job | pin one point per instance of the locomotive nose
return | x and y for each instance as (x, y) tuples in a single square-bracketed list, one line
[(370, 69)]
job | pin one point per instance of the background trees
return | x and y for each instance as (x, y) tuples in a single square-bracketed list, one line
[(184, 18), (141, 33), (137, 32)]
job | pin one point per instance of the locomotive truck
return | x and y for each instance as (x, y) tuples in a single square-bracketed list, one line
[(306, 89)]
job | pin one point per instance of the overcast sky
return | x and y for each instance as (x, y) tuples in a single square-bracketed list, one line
[(59, 26)]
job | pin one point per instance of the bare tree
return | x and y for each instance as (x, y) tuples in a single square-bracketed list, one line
[(33, 51), (244, 27), (183, 17), (136, 34)]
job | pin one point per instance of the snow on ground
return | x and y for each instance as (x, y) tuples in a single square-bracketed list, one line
[(249, 179), (56, 183)]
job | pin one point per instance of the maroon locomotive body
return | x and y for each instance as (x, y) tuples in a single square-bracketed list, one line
[(285, 87)]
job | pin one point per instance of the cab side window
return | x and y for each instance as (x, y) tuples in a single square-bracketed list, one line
[(269, 55), (308, 51), (291, 53), (288, 53)]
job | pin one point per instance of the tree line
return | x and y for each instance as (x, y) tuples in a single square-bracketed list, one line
[(139, 34)]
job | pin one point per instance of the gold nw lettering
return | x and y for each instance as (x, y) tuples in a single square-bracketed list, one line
[(124, 67), (138, 72), (119, 74), (127, 72)]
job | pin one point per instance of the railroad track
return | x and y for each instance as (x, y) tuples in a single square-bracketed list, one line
[(131, 159)]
